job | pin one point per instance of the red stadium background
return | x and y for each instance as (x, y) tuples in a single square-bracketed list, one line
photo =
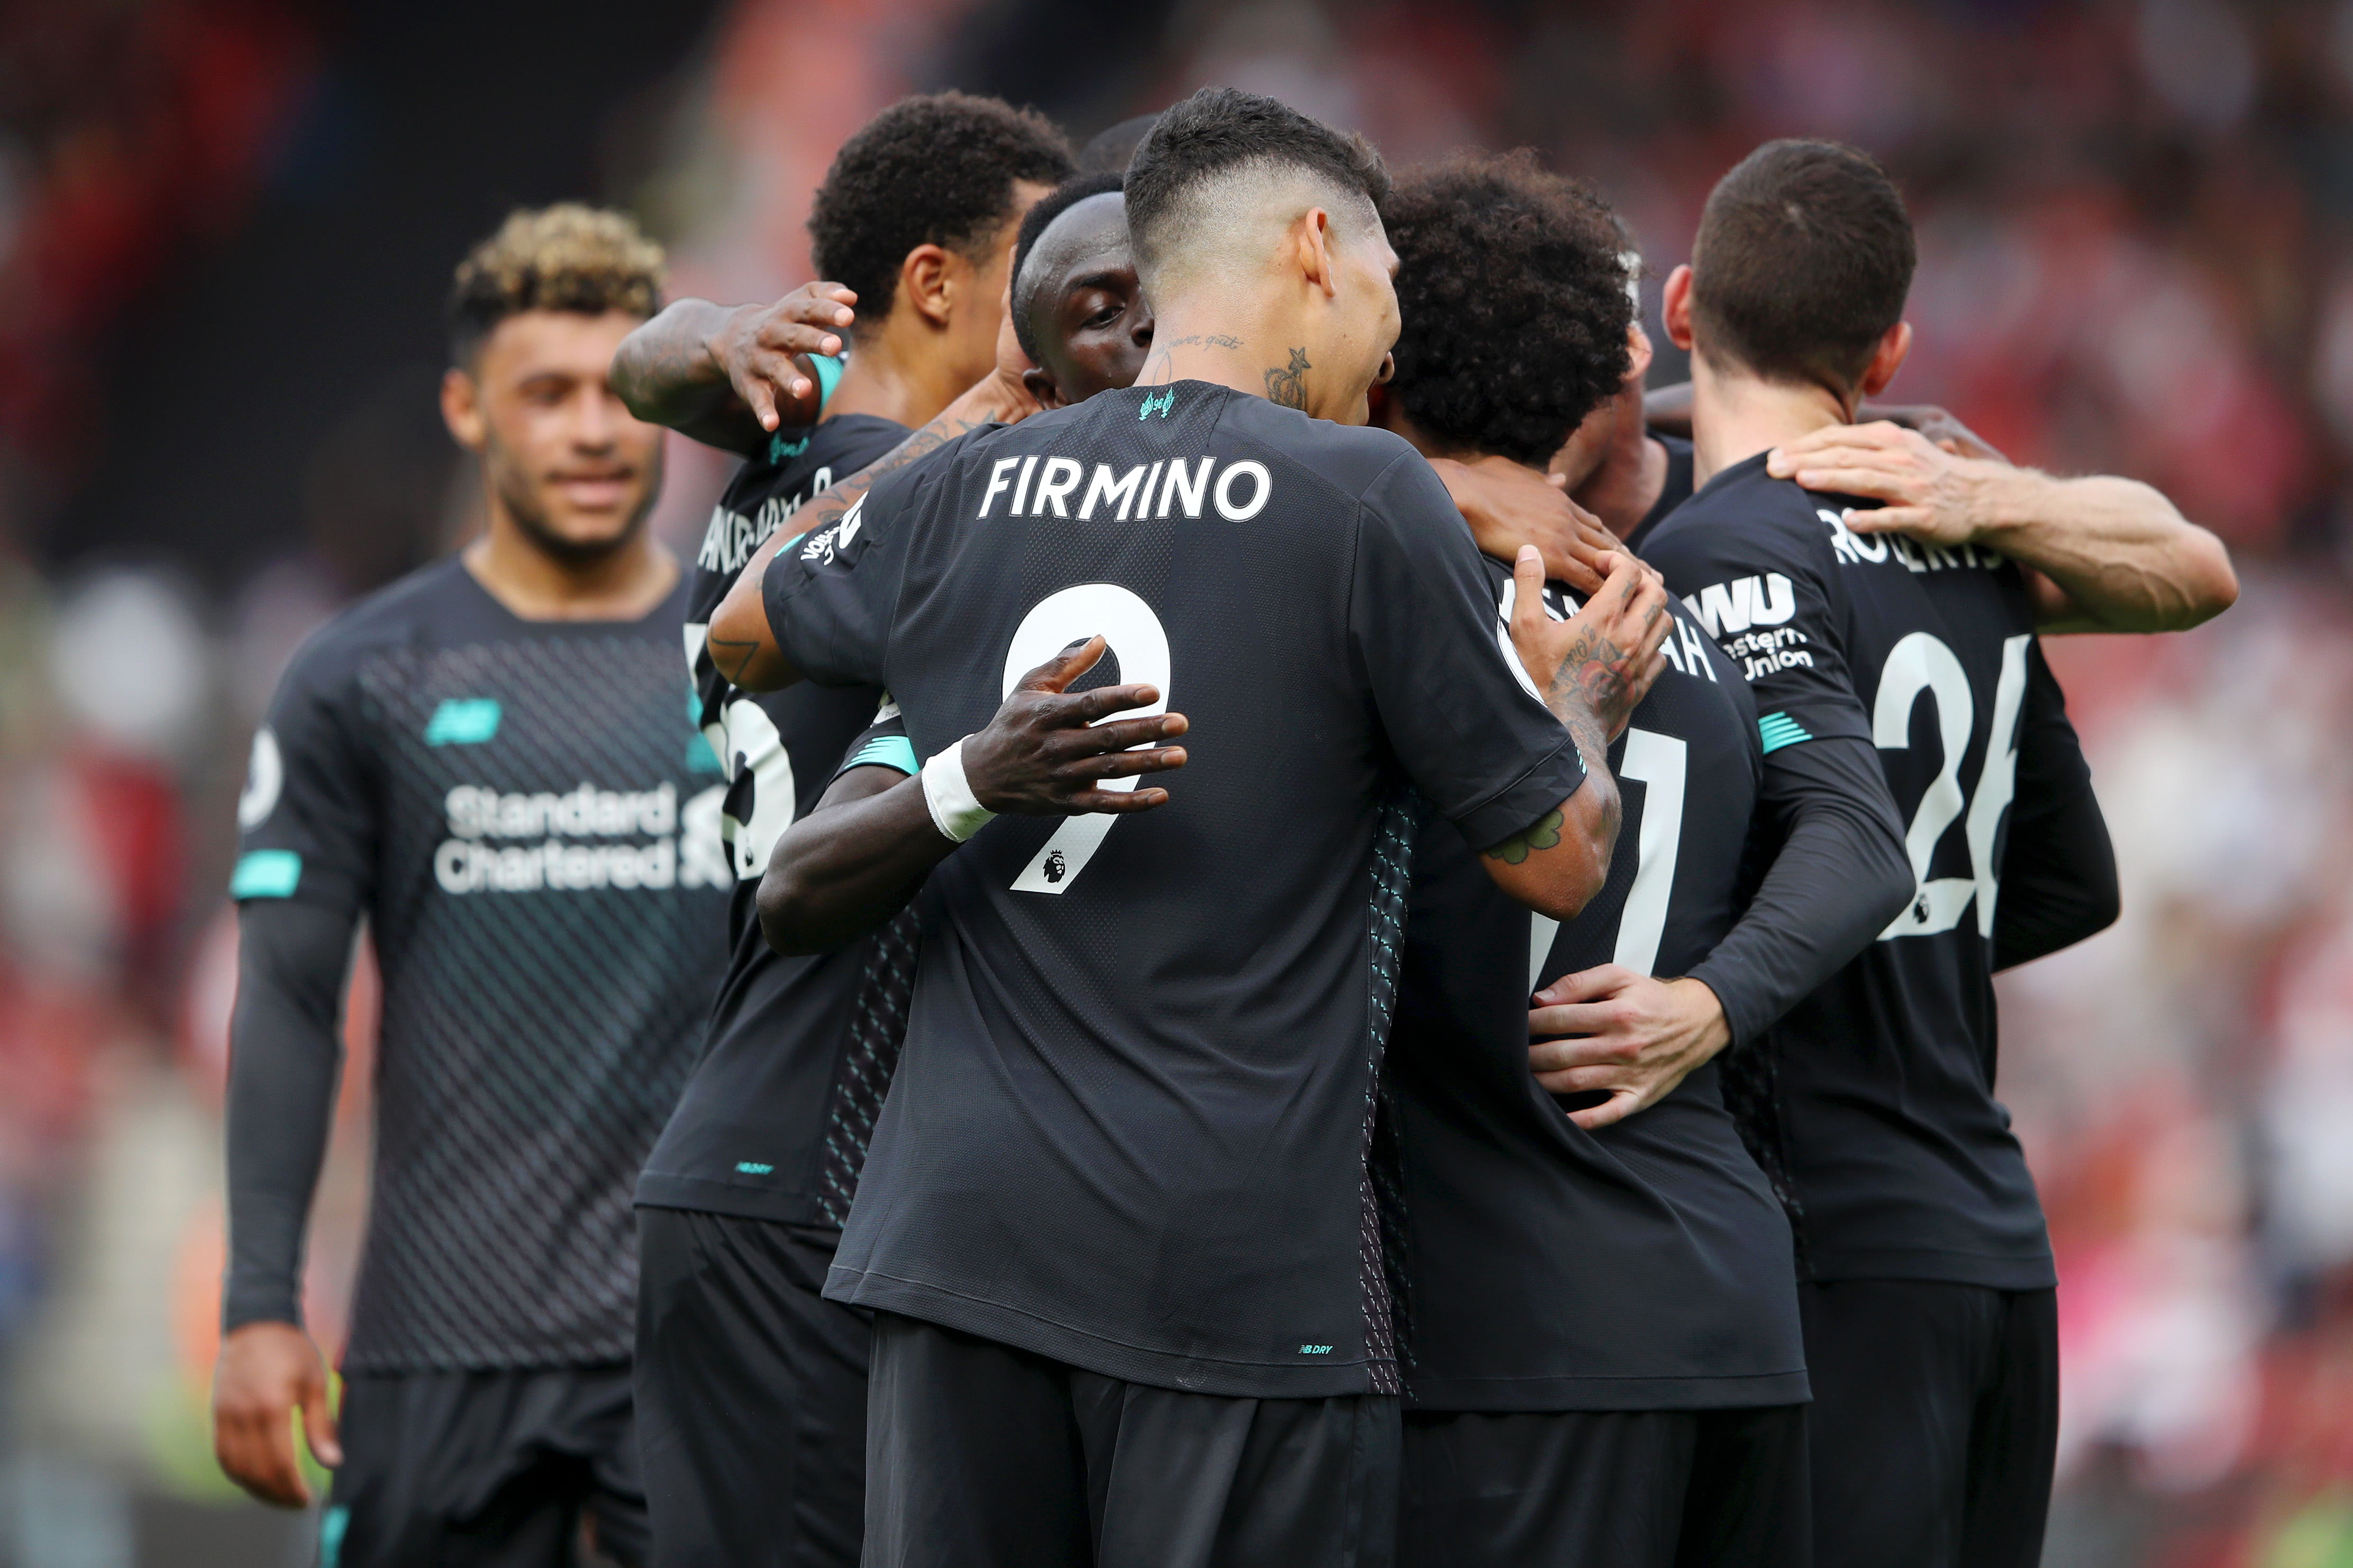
[(225, 228)]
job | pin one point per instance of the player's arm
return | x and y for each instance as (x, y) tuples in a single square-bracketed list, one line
[(1509, 504), (1592, 670), (285, 1052), (730, 375), (2058, 868), (855, 860), (2106, 554), (743, 646), (1838, 870)]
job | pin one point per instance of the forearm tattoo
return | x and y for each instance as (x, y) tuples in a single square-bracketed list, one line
[(1288, 387), (1541, 834)]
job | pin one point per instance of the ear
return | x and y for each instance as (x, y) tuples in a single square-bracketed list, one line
[(1311, 239), (1041, 383), (461, 408), (927, 284), (1676, 308), (1638, 352), (1894, 345)]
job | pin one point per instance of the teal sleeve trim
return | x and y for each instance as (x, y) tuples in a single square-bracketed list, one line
[(829, 376), (1778, 729), (266, 874), (887, 752)]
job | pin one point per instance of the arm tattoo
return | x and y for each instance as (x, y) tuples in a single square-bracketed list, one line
[(1288, 388), (731, 656), (1541, 834)]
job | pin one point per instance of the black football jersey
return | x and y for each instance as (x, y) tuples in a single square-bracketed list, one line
[(775, 1122), (1876, 1107), (530, 826), (1643, 1266), (1129, 1130)]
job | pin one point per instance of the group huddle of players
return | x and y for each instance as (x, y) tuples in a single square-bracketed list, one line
[(1162, 1000)]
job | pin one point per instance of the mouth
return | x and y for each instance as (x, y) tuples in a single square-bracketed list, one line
[(596, 489)]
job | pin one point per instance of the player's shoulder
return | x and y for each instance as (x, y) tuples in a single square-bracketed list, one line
[(1745, 513), (1352, 459)]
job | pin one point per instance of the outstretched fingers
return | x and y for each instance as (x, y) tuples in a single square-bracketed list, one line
[(1057, 673)]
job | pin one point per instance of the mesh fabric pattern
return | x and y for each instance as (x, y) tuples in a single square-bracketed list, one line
[(870, 1055), (1392, 876)]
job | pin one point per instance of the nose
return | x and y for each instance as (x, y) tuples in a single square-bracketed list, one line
[(1141, 324)]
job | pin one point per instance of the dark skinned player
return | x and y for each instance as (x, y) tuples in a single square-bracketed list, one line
[(752, 1387), (487, 761)]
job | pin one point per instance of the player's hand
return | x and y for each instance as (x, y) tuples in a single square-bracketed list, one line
[(1045, 754), (1603, 659), (1507, 505), (1641, 1038), (266, 1372), (756, 349), (1932, 494)]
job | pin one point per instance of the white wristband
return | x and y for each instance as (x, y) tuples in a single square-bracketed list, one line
[(956, 810)]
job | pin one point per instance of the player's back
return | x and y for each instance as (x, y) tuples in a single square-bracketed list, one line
[(1129, 1126), (1879, 1117)]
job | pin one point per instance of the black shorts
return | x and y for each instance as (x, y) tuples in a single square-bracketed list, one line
[(1935, 1422), (980, 1456), (485, 1469), (1632, 1488), (751, 1394)]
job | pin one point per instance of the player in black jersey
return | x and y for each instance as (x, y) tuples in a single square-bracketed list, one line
[(488, 761), (1117, 1216), (752, 1387), (1599, 1326), (1927, 1278)]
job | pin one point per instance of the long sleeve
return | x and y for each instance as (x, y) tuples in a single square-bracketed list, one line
[(2059, 868), (1838, 878), (285, 1054)]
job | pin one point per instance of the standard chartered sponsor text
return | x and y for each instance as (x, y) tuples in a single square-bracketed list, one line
[(471, 861)]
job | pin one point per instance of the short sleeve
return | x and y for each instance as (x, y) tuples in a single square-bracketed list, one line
[(1461, 716), (308, 819), (830, 596), (883, 745), (1770, 597)]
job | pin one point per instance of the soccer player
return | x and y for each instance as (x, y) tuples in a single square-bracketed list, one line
[(1603, 1361), (1926, 1285), (1117, 1222), (488, 761), (752, 1387)]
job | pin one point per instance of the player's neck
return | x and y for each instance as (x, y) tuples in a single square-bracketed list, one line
[(1735, 416), (1630, 478), (1261, 352), (625, 585), (898, 372)]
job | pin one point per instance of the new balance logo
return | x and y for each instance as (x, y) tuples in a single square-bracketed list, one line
[(1158, 403)]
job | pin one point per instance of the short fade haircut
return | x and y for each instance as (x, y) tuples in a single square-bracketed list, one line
[(938, 169), (1803, 262), (1221, 133), (563, 257), (1035, 222), (1511, 287)]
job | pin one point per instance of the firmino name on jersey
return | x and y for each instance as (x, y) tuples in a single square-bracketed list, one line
[(1063, 486), (465, 863), (729, 541)]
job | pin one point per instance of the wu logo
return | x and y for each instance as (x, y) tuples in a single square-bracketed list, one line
[(1158, 403)]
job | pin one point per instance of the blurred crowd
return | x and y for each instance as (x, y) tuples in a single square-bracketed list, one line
[(2136, 257)]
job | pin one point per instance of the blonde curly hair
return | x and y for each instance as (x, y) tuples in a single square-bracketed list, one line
[(567, 257)]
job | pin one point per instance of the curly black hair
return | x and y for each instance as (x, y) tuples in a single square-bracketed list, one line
[(1512, 287), (934, 170), (1034, 223)]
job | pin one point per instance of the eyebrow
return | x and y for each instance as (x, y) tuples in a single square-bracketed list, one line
[(1101, 278)]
